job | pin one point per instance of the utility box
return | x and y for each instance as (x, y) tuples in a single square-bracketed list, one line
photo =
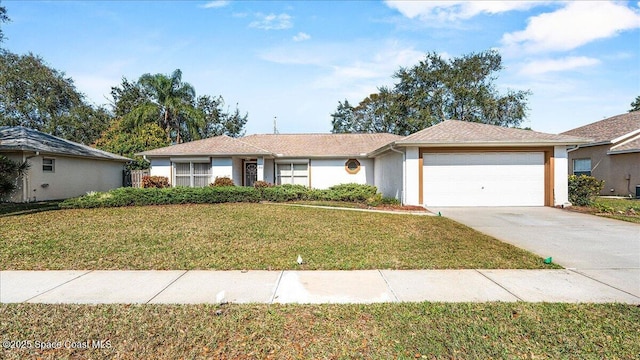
[(637, 191)]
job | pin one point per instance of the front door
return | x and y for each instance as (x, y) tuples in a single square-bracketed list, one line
[(250, 173)]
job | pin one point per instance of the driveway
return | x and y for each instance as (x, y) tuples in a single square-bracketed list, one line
[(607, 250)]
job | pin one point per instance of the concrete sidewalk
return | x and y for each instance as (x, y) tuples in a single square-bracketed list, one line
[(363, 286)]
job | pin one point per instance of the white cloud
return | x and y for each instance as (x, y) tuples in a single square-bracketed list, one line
[(455, 10), (576, 24), (538, 67), (215, 4), (301, 37), (346, 69), (272, 22)]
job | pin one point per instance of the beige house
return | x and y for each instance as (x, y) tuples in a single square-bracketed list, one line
[(453, 163), (59, 168), (613, 154)]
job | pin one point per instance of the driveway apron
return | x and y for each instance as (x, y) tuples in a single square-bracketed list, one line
[(606, 250)]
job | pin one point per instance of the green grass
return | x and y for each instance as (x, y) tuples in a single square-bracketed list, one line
[(379, 331), (621, 209), (247, 236)]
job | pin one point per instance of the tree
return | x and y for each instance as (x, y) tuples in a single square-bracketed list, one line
[(36, 96), (437, 89), (217, 121), (171, 104), (10, 172), (3, 19), (635, 105), (343, 118), (166, 100), (122, 140)]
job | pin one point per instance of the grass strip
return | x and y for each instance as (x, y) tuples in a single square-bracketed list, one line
[(378, 331)]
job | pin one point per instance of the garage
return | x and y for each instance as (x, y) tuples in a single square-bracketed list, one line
[(484, 178)]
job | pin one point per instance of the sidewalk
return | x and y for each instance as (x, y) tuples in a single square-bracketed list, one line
[(362, 286)]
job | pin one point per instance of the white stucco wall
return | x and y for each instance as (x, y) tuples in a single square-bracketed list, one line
[(388, 175), (161, 167), (71, 177), (237, 171), (329, 172), (221, 167), (560, 177), (412, 172), (269, 171)]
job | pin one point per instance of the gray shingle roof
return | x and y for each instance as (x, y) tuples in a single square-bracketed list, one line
[(18, 138), (606, 130), (455, 132), (627, 147)]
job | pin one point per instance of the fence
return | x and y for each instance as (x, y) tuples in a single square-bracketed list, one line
[(133, 178)]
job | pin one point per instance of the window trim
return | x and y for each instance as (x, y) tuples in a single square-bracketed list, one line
[(192, 176), (52, 165), (291, 177), (352, 171), (584, 172)]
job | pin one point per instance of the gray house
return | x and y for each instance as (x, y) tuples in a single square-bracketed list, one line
[(613, 155)]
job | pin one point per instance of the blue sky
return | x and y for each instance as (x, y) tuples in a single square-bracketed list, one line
[(296, 59)]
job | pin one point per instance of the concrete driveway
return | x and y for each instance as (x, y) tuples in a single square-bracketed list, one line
[(604, 249)]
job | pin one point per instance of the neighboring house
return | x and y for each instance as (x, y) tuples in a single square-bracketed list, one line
[(454, 163), (59, 168), (613, 155)]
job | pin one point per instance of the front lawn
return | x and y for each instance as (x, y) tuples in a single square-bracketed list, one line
[(379, 331), (247, 236), (616, 208)]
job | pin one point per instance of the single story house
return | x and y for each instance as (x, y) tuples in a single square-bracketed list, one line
[(613, 155), (453, 163), (59, 168)]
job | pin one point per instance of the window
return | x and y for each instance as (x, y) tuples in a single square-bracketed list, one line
[(48, 165), (192, 174), (352, 166), (582, 167), (292, 173)]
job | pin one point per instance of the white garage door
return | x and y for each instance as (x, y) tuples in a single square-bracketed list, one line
[(484, 179)]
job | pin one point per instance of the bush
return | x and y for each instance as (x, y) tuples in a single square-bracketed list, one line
[(353, 192), (222, 181), (583, 189), (285, 192), (262, 184), (219, 193), (159, 182), (155, 196)]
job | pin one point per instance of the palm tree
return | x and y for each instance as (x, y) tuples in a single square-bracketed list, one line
[(172, 101)]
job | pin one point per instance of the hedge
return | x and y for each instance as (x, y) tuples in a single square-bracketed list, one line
[(155, 196), (221, 194)]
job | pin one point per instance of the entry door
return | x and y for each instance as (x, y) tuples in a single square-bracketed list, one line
[(250, 173)]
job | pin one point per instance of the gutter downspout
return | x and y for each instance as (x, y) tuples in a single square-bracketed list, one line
[(404, 172)]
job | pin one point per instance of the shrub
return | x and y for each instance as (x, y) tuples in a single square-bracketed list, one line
[(222, 181), (261, 184), (583, 189), (166, 196), (352, 192), (284, 193), (159, 182)]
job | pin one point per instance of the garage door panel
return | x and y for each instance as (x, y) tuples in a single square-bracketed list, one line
[(484, 179)]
